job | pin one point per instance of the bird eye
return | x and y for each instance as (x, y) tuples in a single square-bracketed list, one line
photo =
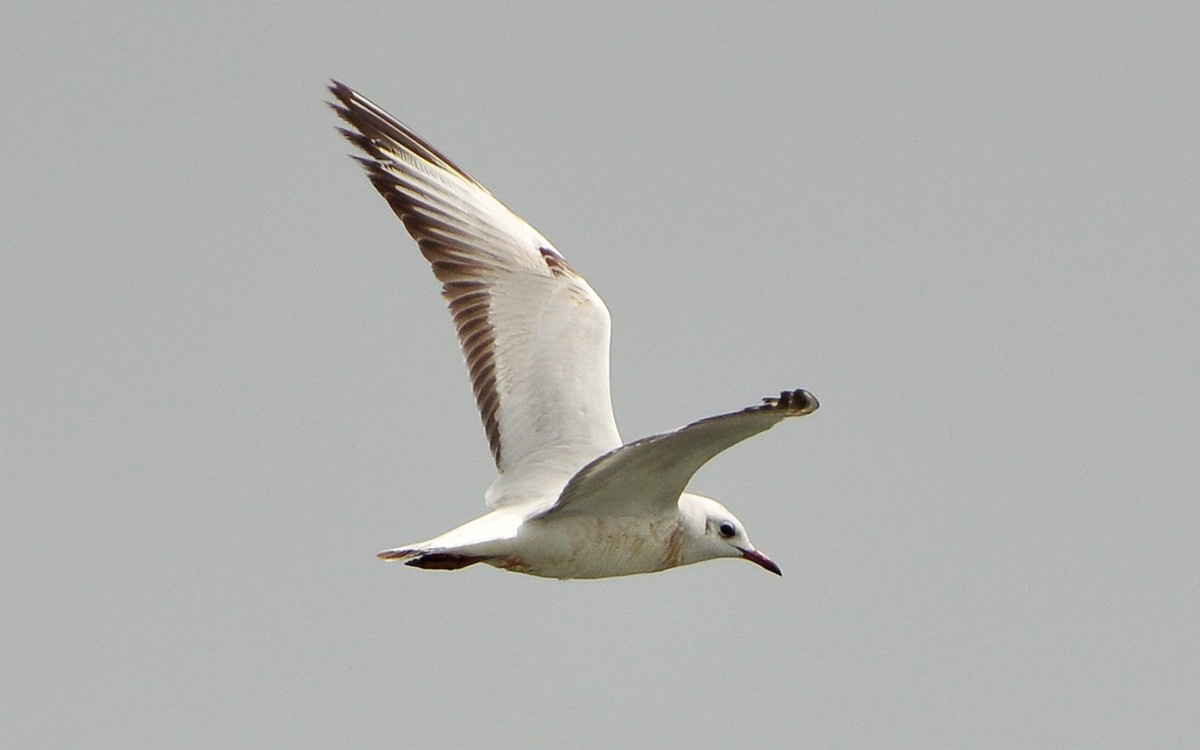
[(726, 529)]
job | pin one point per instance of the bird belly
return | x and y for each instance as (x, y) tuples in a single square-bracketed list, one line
[(582, 546)]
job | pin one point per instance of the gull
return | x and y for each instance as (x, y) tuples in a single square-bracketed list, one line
[(572, 500)]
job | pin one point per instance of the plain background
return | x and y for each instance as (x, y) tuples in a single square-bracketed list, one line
[(971, 229)]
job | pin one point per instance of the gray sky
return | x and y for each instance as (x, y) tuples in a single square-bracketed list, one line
[(970, 229)]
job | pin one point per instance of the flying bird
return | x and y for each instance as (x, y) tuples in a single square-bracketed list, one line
[(572, 500)]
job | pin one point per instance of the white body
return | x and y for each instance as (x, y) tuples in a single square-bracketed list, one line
[(571, 500), (579, 545)]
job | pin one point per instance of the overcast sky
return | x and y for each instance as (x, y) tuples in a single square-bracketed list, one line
[(971, 229)]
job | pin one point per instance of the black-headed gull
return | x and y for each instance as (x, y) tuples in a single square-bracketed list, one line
[(571, 500)]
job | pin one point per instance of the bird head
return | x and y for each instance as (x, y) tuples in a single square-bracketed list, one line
[(715, 532)]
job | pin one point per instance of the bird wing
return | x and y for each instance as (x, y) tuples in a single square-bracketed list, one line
[(534, 334), (646, 477)]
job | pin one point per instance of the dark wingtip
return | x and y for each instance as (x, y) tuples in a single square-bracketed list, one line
[(798, 402), (339, 89)]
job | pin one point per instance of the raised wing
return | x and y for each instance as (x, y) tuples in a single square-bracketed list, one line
[(647, 476), (534, 334)]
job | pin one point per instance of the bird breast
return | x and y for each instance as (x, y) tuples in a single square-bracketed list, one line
[(584, 546)]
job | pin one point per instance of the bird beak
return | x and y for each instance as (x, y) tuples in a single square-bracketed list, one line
[(761, 560)]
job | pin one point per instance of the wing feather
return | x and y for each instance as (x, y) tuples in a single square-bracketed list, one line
[(646, 477), (534, 334)]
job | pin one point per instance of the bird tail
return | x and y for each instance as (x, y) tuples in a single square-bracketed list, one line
[(431, 559), (399, 553)]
